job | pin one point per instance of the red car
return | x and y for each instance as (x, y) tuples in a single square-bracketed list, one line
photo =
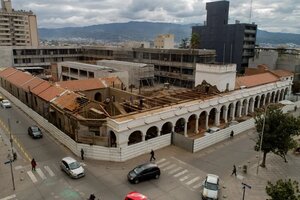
[(135, 196)]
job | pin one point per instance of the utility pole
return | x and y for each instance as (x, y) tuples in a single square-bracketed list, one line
[(11, 157)]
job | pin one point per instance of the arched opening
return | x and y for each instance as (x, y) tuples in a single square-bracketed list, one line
[(212, 117), (268, 100), (244, 108), (135, 137), (166, 128), (230, 112), (152, 132), (112, 139), (202, 121), (179, 126), (281, 95), (98, 97), (285, 93), (223, 114), (273, 97), (256, 102), (237, 109), (277, 97), (262, 99), (251, 105), (191, 125)]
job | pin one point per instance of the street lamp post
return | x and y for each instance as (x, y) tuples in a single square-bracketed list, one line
[(12, 156)]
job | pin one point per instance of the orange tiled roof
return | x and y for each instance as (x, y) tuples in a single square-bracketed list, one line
[(51, 92), (19, 78), (7, 72), (32, 83), (282, 73), (82, 85), (67, 101), (256, 80), (41, 87)]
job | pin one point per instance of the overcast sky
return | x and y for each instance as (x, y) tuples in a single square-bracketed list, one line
[(270, 15)]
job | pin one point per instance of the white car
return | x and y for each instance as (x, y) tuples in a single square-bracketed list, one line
[(211, 130), (210, 187), (5, 104), (72, 167)]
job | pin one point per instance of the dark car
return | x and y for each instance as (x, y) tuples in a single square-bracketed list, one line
[(143, 172), (35, 132)]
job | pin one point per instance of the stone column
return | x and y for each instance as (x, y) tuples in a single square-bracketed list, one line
[(185, 128), (173, 128), (197, 125), (225, 114), (232, 112), (217, 118), (206, 121), (246, 108)]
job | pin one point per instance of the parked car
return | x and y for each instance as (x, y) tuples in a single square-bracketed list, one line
[(35, 132), (143, 172), (211, 130), (5, 104), (135, 196), (72, 167), (210, 187)]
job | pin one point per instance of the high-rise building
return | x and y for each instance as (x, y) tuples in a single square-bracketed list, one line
[(234, 43), (164, 41), (17, 28)]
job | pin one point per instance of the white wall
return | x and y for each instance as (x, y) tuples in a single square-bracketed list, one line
[(6, 56), (215, 74)]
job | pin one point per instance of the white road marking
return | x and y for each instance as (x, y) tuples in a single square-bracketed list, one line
[(184, 178), (181, 173), (50, 172), (164, 164), (240, 177), (161, 160), (9, 197), (169, 167), (18, 167), (197, 186), (175, 170), (193, 180), (31, 175), (42, 175)]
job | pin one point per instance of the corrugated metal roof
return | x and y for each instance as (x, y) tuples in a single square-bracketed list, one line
[(51, 92), (67, 101), (7, 72), (82, 85)]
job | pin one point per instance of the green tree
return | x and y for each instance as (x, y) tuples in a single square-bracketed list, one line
[(278, 132), (195, 41), (184, 43), (287, 190)]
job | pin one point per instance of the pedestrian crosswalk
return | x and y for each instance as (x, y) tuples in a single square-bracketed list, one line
[(186, 174), (40, 174)]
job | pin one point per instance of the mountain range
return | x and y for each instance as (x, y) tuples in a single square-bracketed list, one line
[(147, 31)]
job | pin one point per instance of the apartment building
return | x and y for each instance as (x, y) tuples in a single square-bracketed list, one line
[(234, 43), (17, 27), (164, 41)]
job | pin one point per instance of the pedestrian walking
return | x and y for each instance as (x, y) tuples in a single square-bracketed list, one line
[(231, 134), (233, 170), (82, 153), (152, 155), (33, 164)]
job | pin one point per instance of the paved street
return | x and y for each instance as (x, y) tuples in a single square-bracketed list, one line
[(182, 172)]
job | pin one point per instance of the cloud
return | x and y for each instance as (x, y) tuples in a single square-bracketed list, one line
[(270, 15)]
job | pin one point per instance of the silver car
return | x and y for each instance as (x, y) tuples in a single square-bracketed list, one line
[(72, 167), (210, 187), (5, 104)]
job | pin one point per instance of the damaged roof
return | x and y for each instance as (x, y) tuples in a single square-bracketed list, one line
[(68, 101), (89, 84)]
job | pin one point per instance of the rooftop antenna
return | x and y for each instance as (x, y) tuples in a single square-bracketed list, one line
[(250, 11)]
